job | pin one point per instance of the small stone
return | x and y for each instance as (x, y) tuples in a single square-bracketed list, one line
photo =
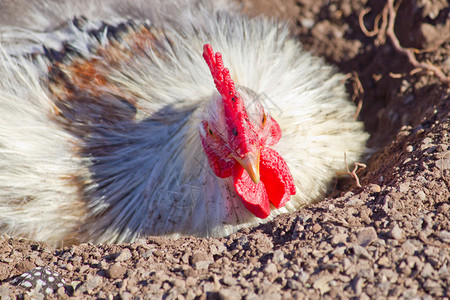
[(409, 148), (191, 281), (357, 284), (363, 296), (270, 269), (84, 268), (338, 252), (409, 247), (180, 284), (339, 238), (444, 236), (355, 202), (116, 271), (229, 294), (366, 236), (5, 293), (433, 287), (404, 187), (307, 22), (126, 296), (229, 280), (427, 271), (61, 293), (316, 228), (322, 284), (303, 276), (410, 293), (421, 195), (243, 241), (443, 164), (374, 188), (92, 282), (200, 256), (444, 208), (361, 252), (278, 256), (397, 233), (384, 261), (442, 147), (124, 255), (293, 284), (202, 265)]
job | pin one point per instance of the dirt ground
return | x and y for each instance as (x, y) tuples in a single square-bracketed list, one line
[(388, 239)]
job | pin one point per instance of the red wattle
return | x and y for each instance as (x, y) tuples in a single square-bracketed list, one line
[(276, 185), (276, 176), (254, 196)]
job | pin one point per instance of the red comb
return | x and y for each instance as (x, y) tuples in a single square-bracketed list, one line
[(221, 75)]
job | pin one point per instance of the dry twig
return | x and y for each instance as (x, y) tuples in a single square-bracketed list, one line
[(358, 166), (407, 51), (386, 29), (358, 90)]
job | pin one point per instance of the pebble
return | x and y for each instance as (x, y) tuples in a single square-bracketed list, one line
[(200, 256), (361, 251), (404, 187), (355, 202), (229, 294), (338, 252), (116, 271), (316, 228), (374, 188), (366, 236), (421, 195), (126, 296), (270, 269), (293, 284), (229, 280), (444, 236), (124, 255), (5, 293), (92, 282), (445, 207), (433, 287), (357, 284), (427, 271), (322, 284), (202, 265), (303, 276), (339, 238), (443, 164), (409, 248), (278, 256), (397, 233), (180, 284)]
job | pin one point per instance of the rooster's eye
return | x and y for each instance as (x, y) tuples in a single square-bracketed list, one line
[(264, 119), (210, 132)]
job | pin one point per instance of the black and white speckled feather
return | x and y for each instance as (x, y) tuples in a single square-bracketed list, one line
[(40, 278)]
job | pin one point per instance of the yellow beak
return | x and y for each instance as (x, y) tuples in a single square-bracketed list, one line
[(250, 162)]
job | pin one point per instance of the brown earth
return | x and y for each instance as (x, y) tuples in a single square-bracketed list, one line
[(388, 239)]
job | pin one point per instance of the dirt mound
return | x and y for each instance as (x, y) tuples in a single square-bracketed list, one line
[(388, 238)]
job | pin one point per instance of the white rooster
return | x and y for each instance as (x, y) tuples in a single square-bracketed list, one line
[(120, 121)]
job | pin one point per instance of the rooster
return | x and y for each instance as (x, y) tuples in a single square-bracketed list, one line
[(121, 121)]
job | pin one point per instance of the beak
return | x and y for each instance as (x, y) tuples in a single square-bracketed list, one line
[(250, 162)]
